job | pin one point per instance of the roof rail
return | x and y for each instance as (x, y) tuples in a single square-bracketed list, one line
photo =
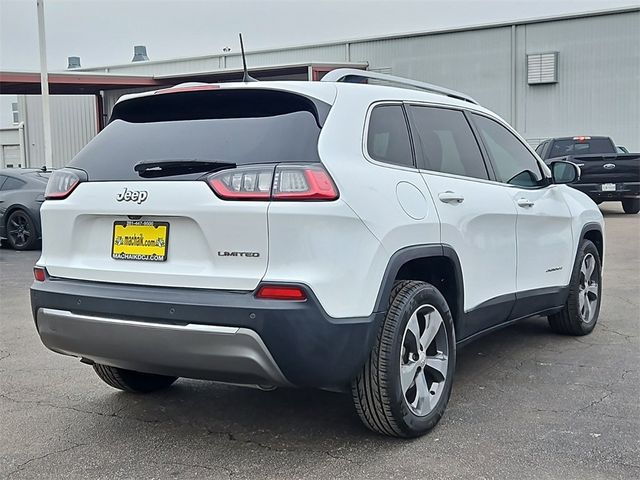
[(347, 74)]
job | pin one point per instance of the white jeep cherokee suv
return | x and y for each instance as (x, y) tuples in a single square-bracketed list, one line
[(332, 234)]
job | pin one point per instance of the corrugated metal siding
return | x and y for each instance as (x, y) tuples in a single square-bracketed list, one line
[(325, 53), (166, 68), (598, 89), (73, 124), (475, 62)]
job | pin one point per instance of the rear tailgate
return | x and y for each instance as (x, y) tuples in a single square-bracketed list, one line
[(203, 230), (165, 225), (609, 168)]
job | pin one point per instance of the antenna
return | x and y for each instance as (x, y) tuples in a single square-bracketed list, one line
[(245, 76)]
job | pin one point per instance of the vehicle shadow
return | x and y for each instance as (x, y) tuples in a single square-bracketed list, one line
[(286, 419)]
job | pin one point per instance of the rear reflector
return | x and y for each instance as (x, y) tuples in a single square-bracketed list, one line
[(284, 182), (40, 274), (281, 292)]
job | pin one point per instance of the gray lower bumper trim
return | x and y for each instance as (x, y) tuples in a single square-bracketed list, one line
[(226, 354)]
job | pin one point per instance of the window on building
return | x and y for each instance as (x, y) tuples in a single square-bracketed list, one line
[(388, 136), (445, 143), (14, 112)]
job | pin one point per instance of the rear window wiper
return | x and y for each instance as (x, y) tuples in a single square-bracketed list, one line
[(167, 168)]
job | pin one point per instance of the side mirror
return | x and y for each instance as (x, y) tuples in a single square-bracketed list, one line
[(564, 172)]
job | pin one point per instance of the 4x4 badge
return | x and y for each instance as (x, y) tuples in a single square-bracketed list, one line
[(137, 196)]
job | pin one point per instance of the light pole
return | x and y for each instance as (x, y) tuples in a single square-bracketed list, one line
[(44, 86)]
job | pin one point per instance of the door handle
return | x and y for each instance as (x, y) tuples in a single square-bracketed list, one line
[(525, 203), (450, 197)]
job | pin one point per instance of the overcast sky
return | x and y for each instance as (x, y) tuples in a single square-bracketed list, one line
[(103, 32)]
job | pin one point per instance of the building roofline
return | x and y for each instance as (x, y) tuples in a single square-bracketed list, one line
[(265, 68), (472, 27)]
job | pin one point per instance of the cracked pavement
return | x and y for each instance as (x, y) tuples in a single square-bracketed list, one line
[(526, 404)]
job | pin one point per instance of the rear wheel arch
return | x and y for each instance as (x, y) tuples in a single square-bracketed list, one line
[(436, 264)]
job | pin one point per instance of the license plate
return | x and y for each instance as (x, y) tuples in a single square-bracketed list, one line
[(608, 187), (140, 240)]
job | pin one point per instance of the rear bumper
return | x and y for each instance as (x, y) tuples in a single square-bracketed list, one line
[(208, 334), (200, 351), (623, 190)]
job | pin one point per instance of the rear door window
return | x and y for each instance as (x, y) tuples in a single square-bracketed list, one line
[(445, 142), (12, 184), (388, 136)]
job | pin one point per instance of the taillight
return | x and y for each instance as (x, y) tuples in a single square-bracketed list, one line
[(281, 292), (309, 182), (285, 182), (62, 183), (39, 273), (245, 183)]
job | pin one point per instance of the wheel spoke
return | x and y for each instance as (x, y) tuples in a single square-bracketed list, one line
[(423, 397), (433, 324), (437, 366), (588, 265), (408, 375), (414, 327), (14, 223), (587, 310), (591, 292)]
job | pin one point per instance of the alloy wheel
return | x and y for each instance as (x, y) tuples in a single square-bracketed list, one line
[(19, 229), (588, 289), (424, 360)]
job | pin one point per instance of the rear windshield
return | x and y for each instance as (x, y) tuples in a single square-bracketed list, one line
[(561, 148), (230, 127)]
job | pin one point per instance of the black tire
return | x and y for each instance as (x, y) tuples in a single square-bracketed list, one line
[(21, 231), (631, 205), (571, 319), (377, 391), (131, 381)]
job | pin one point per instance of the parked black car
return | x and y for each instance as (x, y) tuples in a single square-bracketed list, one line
[(21, 195), (607, 175)]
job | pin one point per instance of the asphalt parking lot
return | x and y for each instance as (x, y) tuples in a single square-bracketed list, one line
[(526, 403)]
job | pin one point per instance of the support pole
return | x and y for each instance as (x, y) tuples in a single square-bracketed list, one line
[(44, 85)]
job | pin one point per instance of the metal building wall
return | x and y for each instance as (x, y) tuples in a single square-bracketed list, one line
[(474, 62), (598, 89), (73, 124)]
